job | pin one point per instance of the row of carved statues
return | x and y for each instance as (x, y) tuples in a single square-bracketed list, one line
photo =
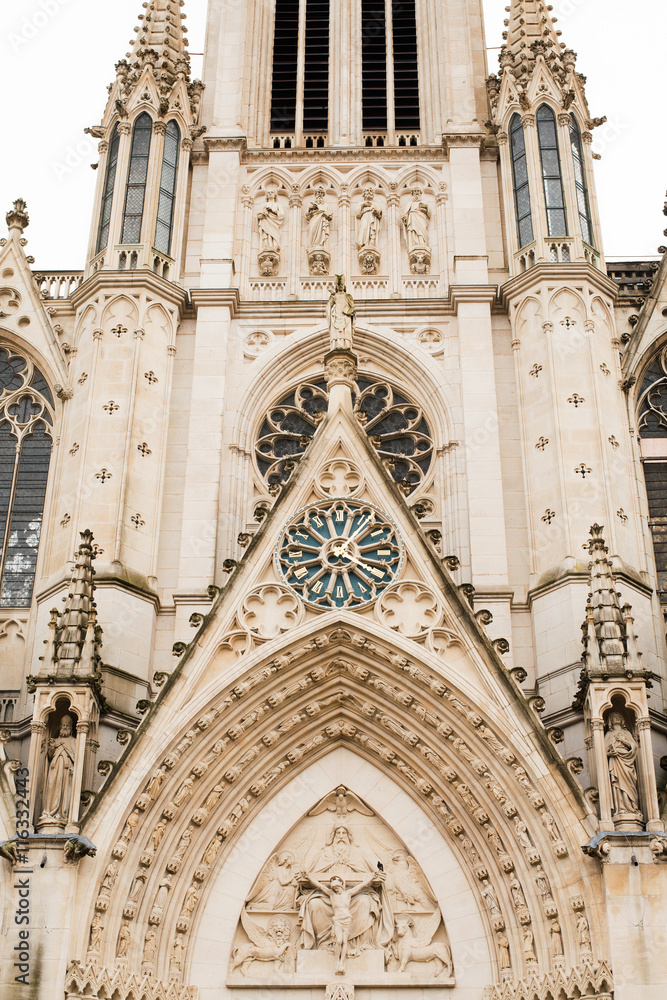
[(368, 220)]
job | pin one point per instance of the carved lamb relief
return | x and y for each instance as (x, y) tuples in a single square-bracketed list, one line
[(341, 896)]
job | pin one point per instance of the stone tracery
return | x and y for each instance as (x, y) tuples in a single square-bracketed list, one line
[(397, 428)]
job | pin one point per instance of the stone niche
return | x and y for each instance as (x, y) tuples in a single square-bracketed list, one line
[(341, 899)]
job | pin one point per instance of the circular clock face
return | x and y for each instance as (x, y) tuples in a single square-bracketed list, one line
[(339, 553)]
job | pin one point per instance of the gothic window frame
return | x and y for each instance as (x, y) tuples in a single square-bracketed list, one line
[(552, 172), (164, 219), (521, 183), (651, 423), (27, 421), (581, 182), (383, 85), (387, 413), (137, 177), (108, 191)]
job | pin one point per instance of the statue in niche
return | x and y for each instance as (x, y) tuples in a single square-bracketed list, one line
[(416, 222), (621, 748), (529, 945), (58, 786), (556, 939), (340, 888), (341, 314), (584, 932), (319, 225), (123, 942), (270, 219), (504, 953), (369, 217), (334, 912), (96, 928)]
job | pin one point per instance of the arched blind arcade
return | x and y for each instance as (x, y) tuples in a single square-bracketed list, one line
[(552, 177), (165, 210), (136, 179), (107, 195), (521, 188), (583, 204), (26, 427)]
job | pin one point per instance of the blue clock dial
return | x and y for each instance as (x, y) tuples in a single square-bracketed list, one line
[(339, 553)]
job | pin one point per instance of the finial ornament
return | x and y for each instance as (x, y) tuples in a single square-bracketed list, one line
[(17, 218)]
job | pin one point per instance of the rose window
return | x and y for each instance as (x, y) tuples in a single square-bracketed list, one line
[(396, 428)]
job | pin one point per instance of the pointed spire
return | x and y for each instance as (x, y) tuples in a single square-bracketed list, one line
[(160, 42), (531, 33), (74, 636), (610, 641)]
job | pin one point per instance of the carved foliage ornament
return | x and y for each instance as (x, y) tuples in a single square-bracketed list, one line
[(396, 427)]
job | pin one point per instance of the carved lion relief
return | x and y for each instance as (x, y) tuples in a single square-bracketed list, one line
[(341, 896)]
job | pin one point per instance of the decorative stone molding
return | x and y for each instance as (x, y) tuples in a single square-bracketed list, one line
[(590, 979), (88, 979)]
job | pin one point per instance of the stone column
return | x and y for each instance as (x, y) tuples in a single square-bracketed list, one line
[(344, 231), (441, 223), (80, 753), (646, 776), (37, 734), (602, 771), (294, 237), (394, 233)]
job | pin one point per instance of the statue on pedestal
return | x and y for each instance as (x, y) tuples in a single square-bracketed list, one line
[(319, 223), (369, 217), (58, 785), (341, 315), (416, 223), (621, 748), (270, 219)]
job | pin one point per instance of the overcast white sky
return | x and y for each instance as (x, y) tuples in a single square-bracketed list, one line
[(57, 57)]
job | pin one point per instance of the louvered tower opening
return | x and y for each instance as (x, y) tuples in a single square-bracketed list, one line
[(285, 59), (316, 72), (374, 62), (406, 73)]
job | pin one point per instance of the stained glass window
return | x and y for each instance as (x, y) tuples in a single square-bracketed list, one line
[(552, 177), (26, 428), (583, 204), (521, 187), (136, 179), (107, 196), (165, 211)]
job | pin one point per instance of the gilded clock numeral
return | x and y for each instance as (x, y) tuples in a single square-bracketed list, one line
[(318, 521), (317, 589), (384, 552), (300, 573), (339, 592), (380, 531), (340, 515)]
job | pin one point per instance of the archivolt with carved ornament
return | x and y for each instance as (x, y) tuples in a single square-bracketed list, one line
[(295, 715)]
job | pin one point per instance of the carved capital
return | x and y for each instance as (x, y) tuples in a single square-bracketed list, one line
[(159, 128), (124, 128), (528, 121)]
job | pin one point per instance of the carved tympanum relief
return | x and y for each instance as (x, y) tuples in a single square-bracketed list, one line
[(396, 427), (341, 896)]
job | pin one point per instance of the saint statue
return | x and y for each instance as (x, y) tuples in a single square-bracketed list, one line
[(58, 788), (621, 748), (341, 315), (270, 218), (416, 222), (123, 942), (504, 953), (276, 888), (368, 221), (319, 222)]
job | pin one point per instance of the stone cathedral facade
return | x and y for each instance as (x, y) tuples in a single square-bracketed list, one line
[(333, 505)]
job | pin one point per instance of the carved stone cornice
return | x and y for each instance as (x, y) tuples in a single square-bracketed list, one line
[(473, 293), (216, 297), (121, 280), (518, 286), (349, 154)]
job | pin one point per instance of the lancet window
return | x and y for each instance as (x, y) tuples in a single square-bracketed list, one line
[(552, 176), (300, 89), (136, 179), (583, 203), (390, 73), (165, 211), (652, 426), (26, 431), (396, 427), (521, 188), (107, 196)]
